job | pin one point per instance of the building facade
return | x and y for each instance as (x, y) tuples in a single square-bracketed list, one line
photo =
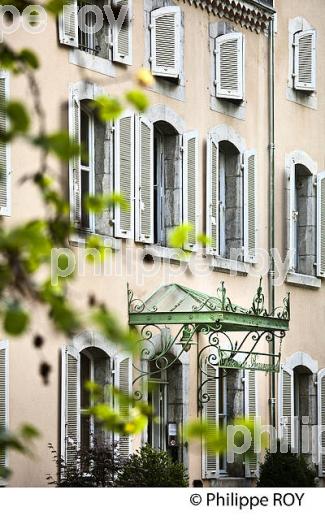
[(232, 144)]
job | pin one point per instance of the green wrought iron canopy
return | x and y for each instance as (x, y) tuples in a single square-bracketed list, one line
[(190, 312), (174, 304)]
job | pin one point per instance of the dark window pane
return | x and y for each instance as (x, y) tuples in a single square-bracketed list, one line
[(84, 133), (84, 377), (84, 193)]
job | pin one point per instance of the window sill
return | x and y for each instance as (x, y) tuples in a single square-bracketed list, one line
[(167, 253), (303, 280), (90, 62), (79, 240), (229, 266), (228, 107), (308, 100)]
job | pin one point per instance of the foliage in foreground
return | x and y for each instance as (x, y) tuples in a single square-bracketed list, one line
[(286, 470), (96, 466), (150, 468), (102, 466), (20, 441)]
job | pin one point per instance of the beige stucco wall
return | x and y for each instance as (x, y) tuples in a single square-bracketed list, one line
[(296, 128)]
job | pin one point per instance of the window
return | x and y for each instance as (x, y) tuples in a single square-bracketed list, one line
[(230, 66), (321, 420), (321, 224), (86, 162), (302, 69), (4, 406), (231, 200), (5, 202), (166, 42), (167, 182), (89, 173), (230, 396), (152, 164), (304, 72), (100, 36), (95, 367), (103, 366), (297, 403), (302, 208), (165, 395)]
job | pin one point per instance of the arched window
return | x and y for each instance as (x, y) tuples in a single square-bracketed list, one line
[(95, 366), (298, 402), (165, 387), (231, 201), (166, 398), (89, 358), (167, 181), (304, 221), (227, 394), (302, 212), (88, 172)]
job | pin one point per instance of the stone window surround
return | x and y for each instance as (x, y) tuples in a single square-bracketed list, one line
[(223, 106), (301, 359), (305, 360), (164, 113), (87, 90), (161, 85), (308, 100), (301, 157), (184, 359), (94, 63), (226, 133), (104, 66)]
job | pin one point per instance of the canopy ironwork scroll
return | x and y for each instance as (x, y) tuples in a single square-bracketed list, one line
[(215, 318)]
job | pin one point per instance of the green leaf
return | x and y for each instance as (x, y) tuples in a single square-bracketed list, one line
[(55, 6), (179, 235), (28, 431), (60, 144), (18, 117), (29, 58), (96, 242), (108, 108), (16, 320), (98, 203), (203, 239), (138, 99)]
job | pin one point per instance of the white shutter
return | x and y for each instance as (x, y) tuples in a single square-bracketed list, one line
[(68, 24), (124, 174), (286, 406), (305, 60), (4, 149), (251, 459), (144, 182), (70, 404), (250, 205), (165, 41), (122, 39), (212, 193), (321, 421), (229, 51), (210, 459), (4, 398), (321, 224), (123, 381), (190, 186), (74, 164), (291, 215)]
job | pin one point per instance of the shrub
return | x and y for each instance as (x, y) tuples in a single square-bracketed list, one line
[(285, 470), (96, 466), (150, 468)]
